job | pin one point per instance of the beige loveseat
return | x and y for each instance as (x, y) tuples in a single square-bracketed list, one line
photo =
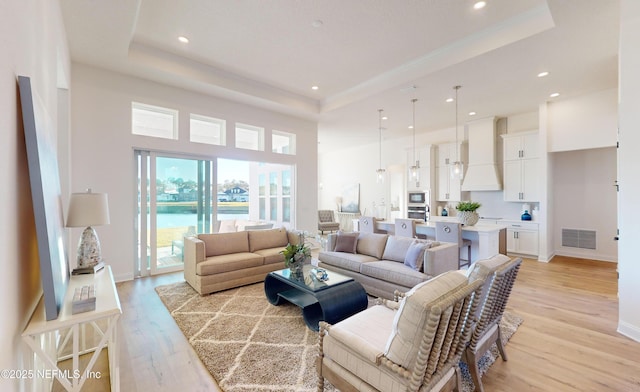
[(215, 262), (377, 261)]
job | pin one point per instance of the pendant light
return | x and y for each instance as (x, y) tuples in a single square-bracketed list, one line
[(414, 170), (380, 173), (457, 170)]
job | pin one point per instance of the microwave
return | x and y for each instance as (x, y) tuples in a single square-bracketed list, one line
[(418, 197)]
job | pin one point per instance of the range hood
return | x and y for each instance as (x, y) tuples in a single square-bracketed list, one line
[(482, 170)]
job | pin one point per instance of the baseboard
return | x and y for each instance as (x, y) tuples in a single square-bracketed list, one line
[(546, 259), (628, 330), (123, 277), (584, 255)]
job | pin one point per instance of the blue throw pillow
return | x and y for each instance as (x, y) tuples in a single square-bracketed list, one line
[(415, 255)]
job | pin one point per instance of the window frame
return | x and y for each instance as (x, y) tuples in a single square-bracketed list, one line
[(250, 128), (174, 113), (212, 120)]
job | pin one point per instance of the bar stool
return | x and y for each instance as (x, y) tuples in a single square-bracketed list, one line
[(367, 224), (452, 232), (405, 228)]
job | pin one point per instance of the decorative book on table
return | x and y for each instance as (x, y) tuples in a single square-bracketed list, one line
[(88, 270), (84, 299)]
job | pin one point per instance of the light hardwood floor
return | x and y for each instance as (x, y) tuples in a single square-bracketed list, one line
[(568, 341)]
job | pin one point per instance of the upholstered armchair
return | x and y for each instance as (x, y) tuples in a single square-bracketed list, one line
[(415, 344), (326, 221), (499, 273)]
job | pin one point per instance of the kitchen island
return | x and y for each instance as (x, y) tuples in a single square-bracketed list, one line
[(487, 239)]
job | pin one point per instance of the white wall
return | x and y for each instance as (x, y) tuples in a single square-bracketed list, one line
[(103, 148), (628, 164), (32, 43), (584, 197), (584, 122)]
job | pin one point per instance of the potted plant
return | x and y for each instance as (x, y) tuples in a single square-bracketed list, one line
[(296, 255), (467, 214)]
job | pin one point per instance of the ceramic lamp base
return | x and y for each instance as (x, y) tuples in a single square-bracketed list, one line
[(89, 253)]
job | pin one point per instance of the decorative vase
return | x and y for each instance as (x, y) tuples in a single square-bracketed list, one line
[(525, 216), (296, 268), (468, 218), (296, 265)]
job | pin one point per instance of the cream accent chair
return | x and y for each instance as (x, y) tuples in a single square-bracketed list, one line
[(327, 222), (452, 232), (415, 344), (499, 273)]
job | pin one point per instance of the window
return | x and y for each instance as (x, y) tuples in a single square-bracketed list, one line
[(207, 130), (273, 196), (286, 195), (154, 121), (249, 137), (262, 192), (283, 142)]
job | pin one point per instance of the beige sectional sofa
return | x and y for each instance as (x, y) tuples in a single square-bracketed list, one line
[(215, 262), (378, 261)]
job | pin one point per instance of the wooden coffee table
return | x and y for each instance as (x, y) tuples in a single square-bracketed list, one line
[(332, 300)]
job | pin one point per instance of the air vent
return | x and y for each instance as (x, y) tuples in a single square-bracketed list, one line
[(575, 238)]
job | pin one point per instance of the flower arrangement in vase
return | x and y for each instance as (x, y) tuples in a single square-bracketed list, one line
[(467, 214), (295, 255)]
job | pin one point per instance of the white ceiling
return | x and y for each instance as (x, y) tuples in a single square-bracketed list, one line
[(364, 55)]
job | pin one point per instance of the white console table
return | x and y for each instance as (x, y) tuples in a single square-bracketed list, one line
[(346, 219), (108, 310)]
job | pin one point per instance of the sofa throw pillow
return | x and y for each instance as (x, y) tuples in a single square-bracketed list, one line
[(371, 244), (346, 242), (396, 248), (415, 255)]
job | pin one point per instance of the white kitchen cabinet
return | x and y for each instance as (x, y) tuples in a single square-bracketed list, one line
[(522, 238), (521, 180), (522, 145), (521, 167), (449, 189), (424, 155)]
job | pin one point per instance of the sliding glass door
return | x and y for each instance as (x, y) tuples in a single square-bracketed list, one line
[(175, 202), (180, 195)]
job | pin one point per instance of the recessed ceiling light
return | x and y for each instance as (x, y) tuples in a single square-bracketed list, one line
[(479, 5), (449, 100), (554, 95), (317, 23), (183, 39), (314, 87), (543, 74), (472, 113), (385, 118), (410, 126)]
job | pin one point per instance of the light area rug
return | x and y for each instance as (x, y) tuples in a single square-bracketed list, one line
[(249, 345)]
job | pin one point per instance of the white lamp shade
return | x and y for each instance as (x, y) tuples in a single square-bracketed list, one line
[(88, 209)]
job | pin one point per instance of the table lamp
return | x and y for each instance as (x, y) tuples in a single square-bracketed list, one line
[(88, 209)]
